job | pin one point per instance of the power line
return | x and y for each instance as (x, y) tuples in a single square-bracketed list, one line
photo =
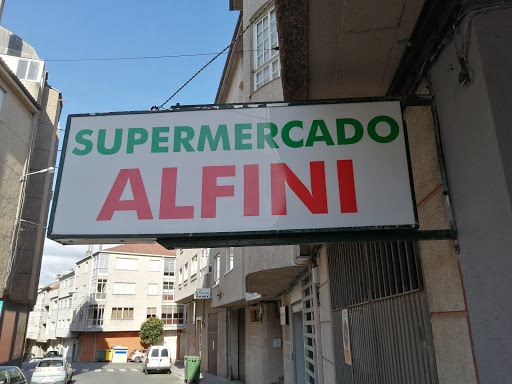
[(133, 58)]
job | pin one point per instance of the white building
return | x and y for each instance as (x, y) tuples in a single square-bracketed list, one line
[(107, 297)]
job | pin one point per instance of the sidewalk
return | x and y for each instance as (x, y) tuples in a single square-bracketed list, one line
[(178, 369)]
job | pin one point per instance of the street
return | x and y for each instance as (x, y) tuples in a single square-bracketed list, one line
[(112, 373)]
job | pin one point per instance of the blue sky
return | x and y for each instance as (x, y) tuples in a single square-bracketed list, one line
[(104, 29)]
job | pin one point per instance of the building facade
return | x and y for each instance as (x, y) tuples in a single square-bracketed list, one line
[(107, 297), (29, 114), (423, 307)]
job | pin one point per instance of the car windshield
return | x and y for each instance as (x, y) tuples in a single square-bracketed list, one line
[(50, 363)]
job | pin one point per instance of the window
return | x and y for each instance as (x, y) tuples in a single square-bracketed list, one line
[(81, 315), (29, 70), (154, 265), (126, 264), (14, 374), (193, 266), (169, 267), (216, 269), (100, 266), (152, 289), (173, 314), (124, 289), (203, 262), (151, 312), (266, 58), (229, 258), (168, 291), (185, 272), (100, 289), (122, 313), (95, 316), (180, 276)]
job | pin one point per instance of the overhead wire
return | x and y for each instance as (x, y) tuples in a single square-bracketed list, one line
[(213, 59)]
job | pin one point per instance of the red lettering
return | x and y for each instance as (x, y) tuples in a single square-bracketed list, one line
[(211, 190), (251, 190), (348, 202), (140, 202), (168, 208), (280, 175)]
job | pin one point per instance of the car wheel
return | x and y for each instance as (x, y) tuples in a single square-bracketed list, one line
[(137, 359)]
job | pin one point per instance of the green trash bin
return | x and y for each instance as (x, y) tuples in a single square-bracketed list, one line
[(192, 368), (100, 355)]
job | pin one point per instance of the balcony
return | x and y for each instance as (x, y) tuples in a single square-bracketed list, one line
[(270, 270)]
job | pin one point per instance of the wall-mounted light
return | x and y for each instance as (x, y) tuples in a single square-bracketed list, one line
[(49, 170)]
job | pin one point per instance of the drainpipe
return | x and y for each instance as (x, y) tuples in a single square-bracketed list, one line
[(228, 344)]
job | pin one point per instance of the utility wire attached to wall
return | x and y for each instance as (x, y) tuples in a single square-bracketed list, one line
[(212, 60)]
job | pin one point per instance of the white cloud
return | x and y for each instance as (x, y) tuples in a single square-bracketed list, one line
[(59, 259)]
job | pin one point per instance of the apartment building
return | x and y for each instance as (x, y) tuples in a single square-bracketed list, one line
[(425, 306), (108, 296), (29, 114), (241, 330)]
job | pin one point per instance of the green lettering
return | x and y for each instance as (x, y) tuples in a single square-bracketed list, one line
[(185, 141), (267, 137), (240, 136), (80, 139), (324, 136), (393, 132), (136, 136), (285, 134), (206, 134), (156, 139), (342, 137), (118, 138)]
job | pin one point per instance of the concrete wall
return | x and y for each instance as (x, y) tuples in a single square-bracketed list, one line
[(475, 122), (231, 287), (264, 363), (16, 130)]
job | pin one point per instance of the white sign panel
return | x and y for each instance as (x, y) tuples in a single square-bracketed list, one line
[(202, 293), (233, 170)]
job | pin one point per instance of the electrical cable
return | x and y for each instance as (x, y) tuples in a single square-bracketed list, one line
[(213, 59), (132, 58)]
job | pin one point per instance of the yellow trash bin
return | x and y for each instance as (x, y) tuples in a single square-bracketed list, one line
[(108, 354)]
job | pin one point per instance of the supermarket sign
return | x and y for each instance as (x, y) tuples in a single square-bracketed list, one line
[(231, 171)]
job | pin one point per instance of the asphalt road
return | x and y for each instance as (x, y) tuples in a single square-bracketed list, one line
[(112, 373)]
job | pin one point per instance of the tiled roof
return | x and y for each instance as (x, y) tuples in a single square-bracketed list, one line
[(147, 249)]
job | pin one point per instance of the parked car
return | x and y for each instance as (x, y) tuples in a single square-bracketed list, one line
[(158, 358), (137, 355), (52, 354), (55, 370), (12, 375), (36, 359)]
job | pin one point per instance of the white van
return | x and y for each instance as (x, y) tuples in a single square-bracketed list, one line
[(158, 358)]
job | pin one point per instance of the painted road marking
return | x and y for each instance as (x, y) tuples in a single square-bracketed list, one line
[(122, 369), (97, 370), (85, 370)]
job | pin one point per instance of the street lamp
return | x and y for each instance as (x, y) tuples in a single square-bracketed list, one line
[(49, 170)]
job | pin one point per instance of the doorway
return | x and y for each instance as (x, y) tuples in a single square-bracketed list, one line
[(298, 348), (213, 342)]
